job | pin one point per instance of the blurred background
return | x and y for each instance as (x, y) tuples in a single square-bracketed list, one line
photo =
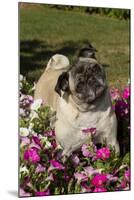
[(49, 29)]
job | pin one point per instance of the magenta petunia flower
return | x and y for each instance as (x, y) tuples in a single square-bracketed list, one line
[(100, 189), (123, 183), (56, 165), (98, 180), (36, 140), (32, 155), (126, 93), (127, 175), (103, 153), (43, 193)]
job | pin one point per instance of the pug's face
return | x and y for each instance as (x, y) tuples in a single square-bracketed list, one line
[(85, 81)]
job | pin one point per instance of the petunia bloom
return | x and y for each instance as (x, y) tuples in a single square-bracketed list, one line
[(80, 176), (98, 180), (40, 169), (91, 131), (127, 175), (100, 189), (85, 151), (115, 94), (24, 132), (22, 193), (43, 193), (36, 104), (103, 153), (126, 93), (56, 165), (32, 155)]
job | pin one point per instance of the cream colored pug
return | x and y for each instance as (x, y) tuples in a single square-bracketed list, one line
[(81, 98)]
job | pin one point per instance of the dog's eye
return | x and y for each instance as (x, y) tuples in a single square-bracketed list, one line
[(79, 86)]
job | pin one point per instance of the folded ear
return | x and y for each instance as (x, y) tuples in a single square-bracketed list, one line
[(62, 83), (88, 51)]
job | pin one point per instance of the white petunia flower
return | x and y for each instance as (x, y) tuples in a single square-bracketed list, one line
[(22, 112), (21, 85), (33, 115), (30, 128), (48, 145), (23, 169), (24, 132), (36, 104), (21, 77)]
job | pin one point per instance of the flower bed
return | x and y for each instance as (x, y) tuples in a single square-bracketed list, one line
[(90, 169)]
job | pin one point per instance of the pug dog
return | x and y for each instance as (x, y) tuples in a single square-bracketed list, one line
[(85, 103), (81, 99)]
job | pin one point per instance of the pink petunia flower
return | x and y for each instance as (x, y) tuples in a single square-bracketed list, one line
[(112, 178), (22, 193), (43, 193), (80, 176), (100, 189), (103, 153), (75, 159), (89, 171), (49, 133), (56, 165), (32, 155), (98, 180), (123, 183), (91, 131), (85, 187), (40, 169), (85, 151), (115, 94), (24, 141)]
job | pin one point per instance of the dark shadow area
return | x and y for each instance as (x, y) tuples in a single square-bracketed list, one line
[(34, 55), (105, 65), (123, 135)]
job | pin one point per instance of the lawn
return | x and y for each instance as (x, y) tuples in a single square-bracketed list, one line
[(45, 31)]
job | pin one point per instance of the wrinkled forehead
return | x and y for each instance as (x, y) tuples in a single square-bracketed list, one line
[(83, 64)]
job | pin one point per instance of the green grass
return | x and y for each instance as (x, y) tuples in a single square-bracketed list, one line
[(45, 31)]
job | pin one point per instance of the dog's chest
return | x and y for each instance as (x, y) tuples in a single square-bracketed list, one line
[(78, 119), (70, 123)]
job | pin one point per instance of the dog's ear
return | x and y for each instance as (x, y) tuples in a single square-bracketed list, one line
[(88, 51), (62, 83)]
